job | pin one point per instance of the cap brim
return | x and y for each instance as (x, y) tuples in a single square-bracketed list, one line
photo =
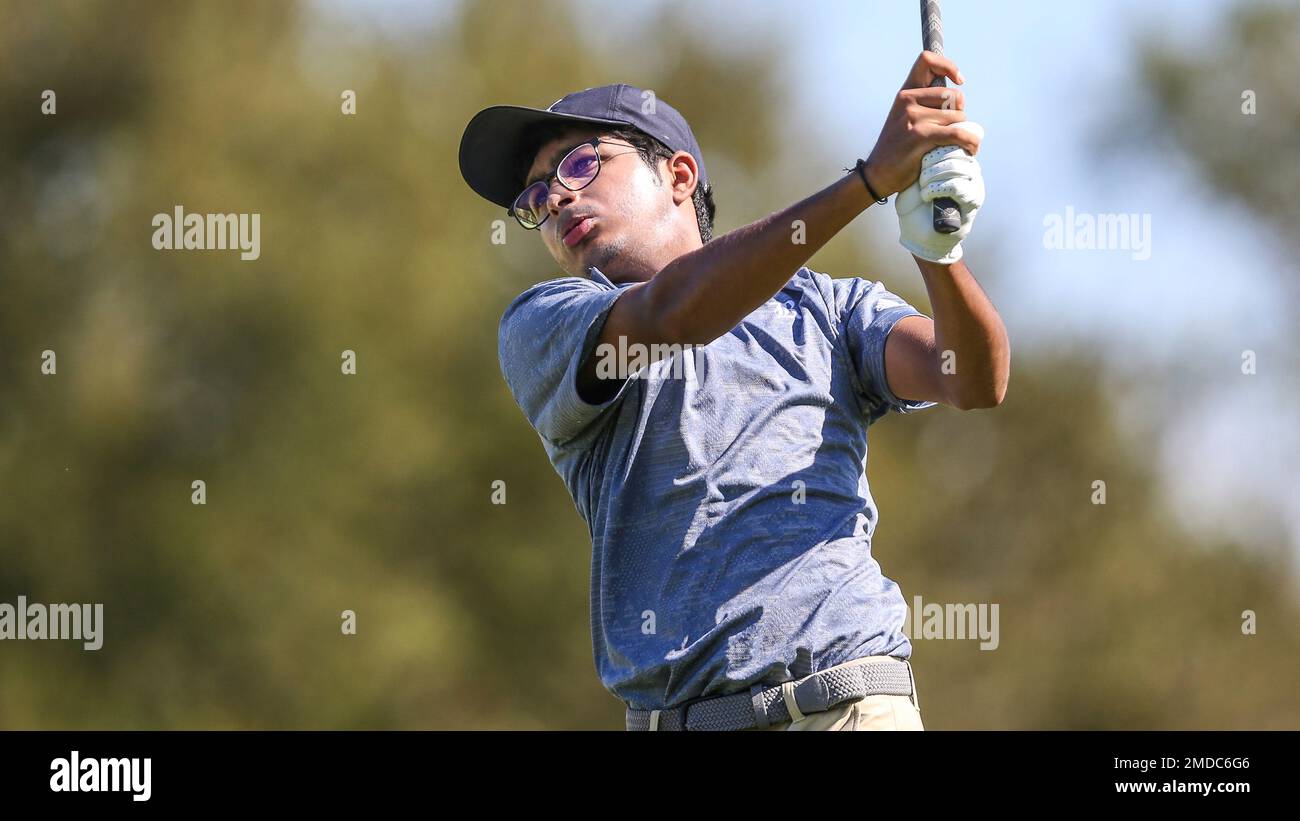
[(493, 144)]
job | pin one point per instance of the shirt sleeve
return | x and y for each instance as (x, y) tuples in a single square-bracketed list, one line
[(544, 336), (868, 312)]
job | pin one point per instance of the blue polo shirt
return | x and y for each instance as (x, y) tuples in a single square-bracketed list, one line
[(724, 487)]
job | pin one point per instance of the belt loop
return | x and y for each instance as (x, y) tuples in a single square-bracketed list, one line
[(654, 720), (916, 699), (787, 692)]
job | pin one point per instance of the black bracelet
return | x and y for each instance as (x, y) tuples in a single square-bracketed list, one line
[(861, 168)]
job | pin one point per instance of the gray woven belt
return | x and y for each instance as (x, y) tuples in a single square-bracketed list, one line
[(769, 704)]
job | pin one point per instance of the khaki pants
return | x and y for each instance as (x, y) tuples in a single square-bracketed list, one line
[(879, 712)]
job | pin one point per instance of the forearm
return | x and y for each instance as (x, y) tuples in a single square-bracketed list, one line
[(966, 323), (707, 292)]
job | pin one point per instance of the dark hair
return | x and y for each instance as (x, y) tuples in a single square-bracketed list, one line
[(651, 151)]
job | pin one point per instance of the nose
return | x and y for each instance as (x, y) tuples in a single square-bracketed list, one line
[(559, 197)]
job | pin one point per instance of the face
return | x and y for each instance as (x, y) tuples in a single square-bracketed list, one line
[(631, 221)]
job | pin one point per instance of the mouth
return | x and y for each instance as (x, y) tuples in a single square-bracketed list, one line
[(577, 229)]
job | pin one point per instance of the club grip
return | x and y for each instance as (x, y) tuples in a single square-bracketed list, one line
[(946, 216)]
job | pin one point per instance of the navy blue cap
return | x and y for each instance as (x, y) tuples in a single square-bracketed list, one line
[(496, 149)]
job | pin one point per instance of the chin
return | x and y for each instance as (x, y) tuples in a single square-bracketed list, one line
[(598, 251)]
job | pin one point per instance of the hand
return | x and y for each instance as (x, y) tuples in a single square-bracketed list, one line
[(947, 171), (921, 118)]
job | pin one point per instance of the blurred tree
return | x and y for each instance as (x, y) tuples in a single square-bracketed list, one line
[(1231, 107)]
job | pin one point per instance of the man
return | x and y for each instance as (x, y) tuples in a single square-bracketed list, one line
[(723, 476)]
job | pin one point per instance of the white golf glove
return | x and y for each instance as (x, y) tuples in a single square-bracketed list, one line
[(947, 171)]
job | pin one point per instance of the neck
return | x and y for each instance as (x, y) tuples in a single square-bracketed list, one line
[(623, 267)]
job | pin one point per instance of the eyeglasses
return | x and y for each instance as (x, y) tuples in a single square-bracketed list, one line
[(575, 172)]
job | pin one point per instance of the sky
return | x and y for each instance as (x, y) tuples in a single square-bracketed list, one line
[(1047, 81)]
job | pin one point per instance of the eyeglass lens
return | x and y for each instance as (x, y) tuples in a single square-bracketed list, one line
[(578, 168)]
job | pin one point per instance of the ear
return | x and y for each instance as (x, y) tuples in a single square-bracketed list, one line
[(684, 173)]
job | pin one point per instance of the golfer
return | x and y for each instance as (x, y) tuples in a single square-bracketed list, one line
[(706, 400)]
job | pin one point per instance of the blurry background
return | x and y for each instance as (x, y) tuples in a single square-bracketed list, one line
[(373, 492)]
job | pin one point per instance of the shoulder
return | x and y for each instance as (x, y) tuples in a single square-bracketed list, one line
[(546, 304), (856, 293), (814, 287), (840, 295), (554, 293)]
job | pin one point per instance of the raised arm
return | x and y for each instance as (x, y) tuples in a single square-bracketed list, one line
[(706, 292), (962, 357)]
